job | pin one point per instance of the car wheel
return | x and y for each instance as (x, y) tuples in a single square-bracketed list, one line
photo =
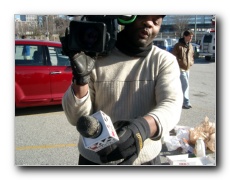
[(196, 55), (207, 58)]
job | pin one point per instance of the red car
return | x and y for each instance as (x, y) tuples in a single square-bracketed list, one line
[(42, 73)]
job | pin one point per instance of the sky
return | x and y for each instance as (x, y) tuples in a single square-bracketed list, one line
[(17, 16)]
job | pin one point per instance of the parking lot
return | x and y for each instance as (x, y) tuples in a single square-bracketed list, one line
[(43, 135)]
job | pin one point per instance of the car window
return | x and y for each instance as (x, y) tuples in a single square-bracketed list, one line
[(56, 57), (207, 38), (158, 43), (169, 41), (28, 55), (174, 41)]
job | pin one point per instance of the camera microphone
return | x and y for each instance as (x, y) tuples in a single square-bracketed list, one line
[(97, 131)]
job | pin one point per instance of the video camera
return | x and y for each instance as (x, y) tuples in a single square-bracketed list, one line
[(93, 34)]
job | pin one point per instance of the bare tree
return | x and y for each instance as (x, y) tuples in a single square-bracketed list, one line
[(181, 23), (45, 25), (60, 24)]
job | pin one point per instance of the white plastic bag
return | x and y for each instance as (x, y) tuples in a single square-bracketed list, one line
[(172, 143)]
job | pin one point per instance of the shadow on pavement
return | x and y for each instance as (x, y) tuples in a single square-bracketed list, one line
[(201, 60), (38, 110)]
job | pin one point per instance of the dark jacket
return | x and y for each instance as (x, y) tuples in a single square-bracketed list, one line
[(26, 51), (184, 54)]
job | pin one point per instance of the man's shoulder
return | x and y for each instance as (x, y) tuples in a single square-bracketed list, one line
[(179, 44), (156, 51)]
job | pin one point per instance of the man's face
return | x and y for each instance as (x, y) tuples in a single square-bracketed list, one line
[(188, 38), (143, 30)]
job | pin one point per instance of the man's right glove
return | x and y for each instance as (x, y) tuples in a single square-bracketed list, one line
[(132, 135), (82, 65)]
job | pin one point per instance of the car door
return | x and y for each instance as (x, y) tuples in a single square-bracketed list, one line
[(32, 81), (60, 72)]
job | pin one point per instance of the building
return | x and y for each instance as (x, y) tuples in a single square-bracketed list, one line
[(28, 18), (174, 25), (201, 22)]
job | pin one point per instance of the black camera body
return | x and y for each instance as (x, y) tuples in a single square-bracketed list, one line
[(93, 34), (87, 36)]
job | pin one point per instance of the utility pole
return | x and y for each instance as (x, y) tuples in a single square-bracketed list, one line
[(47, 30), (195, 27)]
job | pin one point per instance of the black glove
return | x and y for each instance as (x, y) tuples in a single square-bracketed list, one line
[(82, 65), (132, 135)]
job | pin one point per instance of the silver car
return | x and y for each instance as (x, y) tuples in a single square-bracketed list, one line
[(196, 48)]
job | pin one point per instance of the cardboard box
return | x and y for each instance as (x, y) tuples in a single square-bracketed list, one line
[(184, 160)]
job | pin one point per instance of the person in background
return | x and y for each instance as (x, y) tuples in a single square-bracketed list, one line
[(137, 84), (184, 53), (26, 50)]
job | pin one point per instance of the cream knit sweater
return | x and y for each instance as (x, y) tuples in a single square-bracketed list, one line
[(125, 87)]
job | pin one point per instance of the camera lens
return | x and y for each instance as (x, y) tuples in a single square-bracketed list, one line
[(89, 37)]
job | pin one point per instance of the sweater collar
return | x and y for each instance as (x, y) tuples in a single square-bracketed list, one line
[(127, 48)]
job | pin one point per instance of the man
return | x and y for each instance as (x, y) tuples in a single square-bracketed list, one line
[(184, 53), (137, 84), (26, 50)]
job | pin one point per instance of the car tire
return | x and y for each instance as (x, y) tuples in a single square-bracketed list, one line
[(196, 55), (207, 58)]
